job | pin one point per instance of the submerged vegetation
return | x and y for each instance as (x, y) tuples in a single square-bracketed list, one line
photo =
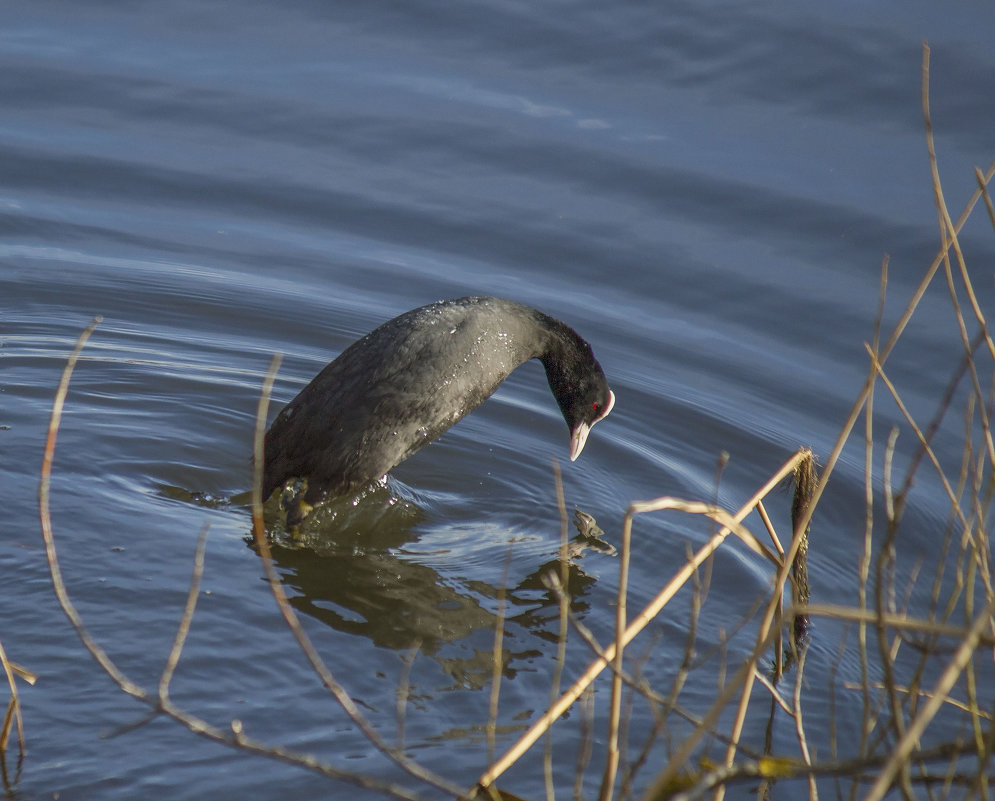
[(918, 664)]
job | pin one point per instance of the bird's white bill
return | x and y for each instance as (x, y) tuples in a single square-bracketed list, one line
[(579, 436)]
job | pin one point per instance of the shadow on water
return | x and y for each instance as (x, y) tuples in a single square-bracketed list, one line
[(346, 568)]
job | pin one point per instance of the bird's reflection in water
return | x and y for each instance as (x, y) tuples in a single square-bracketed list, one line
[(344, 568)]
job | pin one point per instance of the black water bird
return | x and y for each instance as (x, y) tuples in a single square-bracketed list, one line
[(406, 382)]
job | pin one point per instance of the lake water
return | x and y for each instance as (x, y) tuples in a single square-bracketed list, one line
[(705, 191)]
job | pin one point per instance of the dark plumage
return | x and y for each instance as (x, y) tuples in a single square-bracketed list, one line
[(408, 381)]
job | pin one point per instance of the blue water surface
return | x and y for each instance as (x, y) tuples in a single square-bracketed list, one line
[(705, 191)]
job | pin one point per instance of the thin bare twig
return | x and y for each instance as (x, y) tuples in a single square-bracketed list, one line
[(799, 723), (864, 568), (803, 472), (769, 525), (983, 186), (888, 619), (611, 762), (318, 665), (44, 495), (497, 662), (586, 747), (184, 627), (963, 706), (924, 444), (563, 607), (774, 693), (404, 691), (899, 758), (13, 715)]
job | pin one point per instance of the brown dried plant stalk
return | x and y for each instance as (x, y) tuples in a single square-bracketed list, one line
[(12, 719)]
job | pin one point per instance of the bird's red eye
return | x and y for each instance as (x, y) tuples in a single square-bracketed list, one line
[(595, 406)]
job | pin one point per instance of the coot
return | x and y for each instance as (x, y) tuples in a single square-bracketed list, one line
[(408, 381)]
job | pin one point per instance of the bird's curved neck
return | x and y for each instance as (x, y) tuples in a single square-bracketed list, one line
[(563, 350)]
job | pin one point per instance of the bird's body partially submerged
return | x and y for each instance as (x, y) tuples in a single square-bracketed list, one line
[(405, 383)]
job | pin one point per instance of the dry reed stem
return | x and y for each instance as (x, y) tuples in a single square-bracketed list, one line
[(634, 689), (903, 749), (13, 711), (404, 691), (586, 748), (22, 673), (715, 513), (13, 714), (923, 444), (942, 408), (947, 228), (864, 567), (799, 723), (563, 608), (44, 491), (497, 660), (184, 626), (867, 723), (611, 761), (884, 600), (890, 620), (737, 726), (779, 642), (637, 685), (966, 341), (318, 665), (983, 186), (772, 614), (769, 525), (639, 622), (774, 693), (961, 705), (804, 480)]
